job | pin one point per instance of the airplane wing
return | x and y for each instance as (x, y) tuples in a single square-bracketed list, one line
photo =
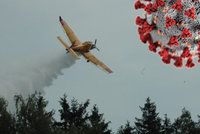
[(89, 56), (68, 48), (72, 37)]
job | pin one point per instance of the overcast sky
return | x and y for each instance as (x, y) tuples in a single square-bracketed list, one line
[(28, 30)]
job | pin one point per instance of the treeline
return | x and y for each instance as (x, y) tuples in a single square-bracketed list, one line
[(32, 117)]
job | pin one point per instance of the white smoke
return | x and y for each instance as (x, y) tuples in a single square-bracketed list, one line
[(31, 75)]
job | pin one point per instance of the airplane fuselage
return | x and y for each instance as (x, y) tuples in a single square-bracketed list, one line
[(83, 48)]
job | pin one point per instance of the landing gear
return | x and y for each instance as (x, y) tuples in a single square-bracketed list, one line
[(88, 61)]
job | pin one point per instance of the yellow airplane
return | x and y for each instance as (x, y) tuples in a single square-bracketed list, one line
[(77, 48)]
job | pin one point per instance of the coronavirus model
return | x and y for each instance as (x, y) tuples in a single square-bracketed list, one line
[(171, 28)]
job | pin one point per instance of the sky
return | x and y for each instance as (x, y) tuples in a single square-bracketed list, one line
[(28, 31)]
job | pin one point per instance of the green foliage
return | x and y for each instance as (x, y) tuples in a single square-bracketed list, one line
[(7, 121), (31, 115), (150, 123), (73, 117), (197, 126), (167, 126), (97, 124), (76, 120), (127, 129), (184, 124)]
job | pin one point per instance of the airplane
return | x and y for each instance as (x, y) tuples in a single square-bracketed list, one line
[(78, 48)]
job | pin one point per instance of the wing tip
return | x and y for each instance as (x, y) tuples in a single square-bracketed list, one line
[(109, 71), (60, 18)]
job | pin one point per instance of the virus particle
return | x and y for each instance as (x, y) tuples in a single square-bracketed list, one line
[(172, 29)]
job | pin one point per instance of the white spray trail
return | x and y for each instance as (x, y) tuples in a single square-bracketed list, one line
[(34, 75)]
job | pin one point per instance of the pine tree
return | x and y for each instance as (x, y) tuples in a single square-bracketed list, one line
[(150, 123), (73, 117), (184, 124), (127, 129), (31, 115), (197, 127), (97, 123), (7, 121), (167, 126)]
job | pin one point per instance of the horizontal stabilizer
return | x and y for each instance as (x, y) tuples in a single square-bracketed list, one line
[(71, 51)]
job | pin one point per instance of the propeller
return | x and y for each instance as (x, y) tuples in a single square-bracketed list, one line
[(95, 42), (97, 49)]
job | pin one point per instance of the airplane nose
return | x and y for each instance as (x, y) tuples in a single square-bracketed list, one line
[(60, 18)]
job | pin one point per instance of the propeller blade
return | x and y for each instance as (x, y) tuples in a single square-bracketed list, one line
[(95, 46), (97, 49), (95, 42)]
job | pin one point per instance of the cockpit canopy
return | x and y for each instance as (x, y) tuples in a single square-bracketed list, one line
[(87, 43)]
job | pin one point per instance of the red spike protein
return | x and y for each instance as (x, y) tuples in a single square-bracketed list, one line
[(172, 29)]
